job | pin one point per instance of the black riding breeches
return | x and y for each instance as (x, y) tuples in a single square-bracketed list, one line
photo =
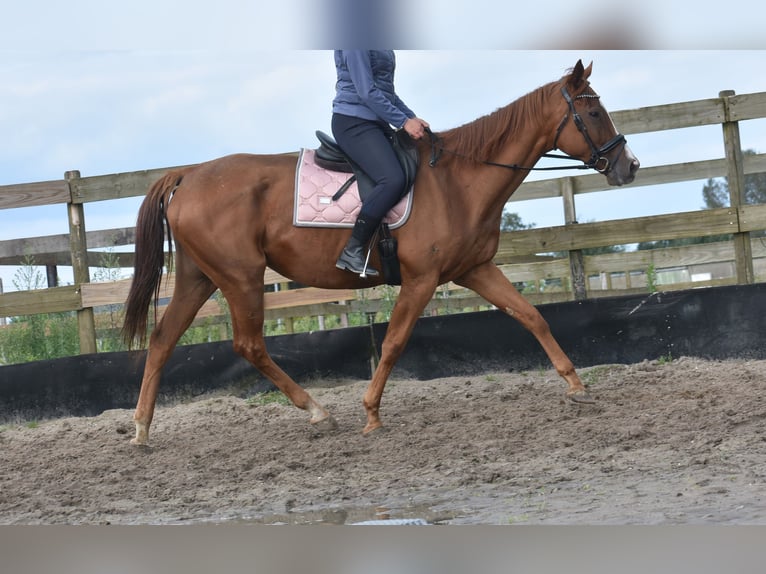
[(368, 144)]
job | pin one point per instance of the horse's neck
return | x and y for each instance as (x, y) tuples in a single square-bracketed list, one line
[(487, 186), (518, 134), (523, 150)]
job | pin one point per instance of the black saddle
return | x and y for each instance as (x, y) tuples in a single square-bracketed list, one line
[(329, 156)]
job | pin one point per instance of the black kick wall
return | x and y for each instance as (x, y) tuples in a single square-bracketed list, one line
[(714, 323)]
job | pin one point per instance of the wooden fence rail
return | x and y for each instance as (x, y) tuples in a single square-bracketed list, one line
[(524, 255)]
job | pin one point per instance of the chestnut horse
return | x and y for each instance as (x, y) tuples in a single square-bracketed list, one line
[(232, 217)]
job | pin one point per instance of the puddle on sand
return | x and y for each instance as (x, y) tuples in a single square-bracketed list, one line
[(351, 516)]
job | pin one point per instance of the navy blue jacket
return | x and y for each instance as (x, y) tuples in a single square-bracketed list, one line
[(365, 87)]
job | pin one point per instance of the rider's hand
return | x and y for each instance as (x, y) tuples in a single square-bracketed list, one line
[(415, 127)]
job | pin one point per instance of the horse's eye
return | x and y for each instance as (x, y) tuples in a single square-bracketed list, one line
[(595, 114)]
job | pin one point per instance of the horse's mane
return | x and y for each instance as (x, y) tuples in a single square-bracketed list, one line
[(482, 138)]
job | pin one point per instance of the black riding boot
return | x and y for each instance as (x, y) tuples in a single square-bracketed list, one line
[(354, 255)]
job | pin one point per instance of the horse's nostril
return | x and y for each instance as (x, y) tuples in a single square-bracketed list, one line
[(634, 165)]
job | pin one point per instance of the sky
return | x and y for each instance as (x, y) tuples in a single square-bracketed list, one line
[(90, 89)]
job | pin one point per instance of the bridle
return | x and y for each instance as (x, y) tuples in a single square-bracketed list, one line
[(597, 161)]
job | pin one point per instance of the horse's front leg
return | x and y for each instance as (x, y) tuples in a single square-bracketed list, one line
[(489, 282), (413, 297)]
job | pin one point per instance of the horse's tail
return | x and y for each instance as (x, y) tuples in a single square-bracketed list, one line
[(149, 258)]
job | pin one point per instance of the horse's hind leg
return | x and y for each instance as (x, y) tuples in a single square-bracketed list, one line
[(246, 306), (489, 282), (192, 289)]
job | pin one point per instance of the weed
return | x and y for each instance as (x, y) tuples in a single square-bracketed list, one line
[(592, 376), (665, 359), (269, 398), (651, 278)]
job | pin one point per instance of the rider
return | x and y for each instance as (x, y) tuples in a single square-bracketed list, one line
[(364, 110)]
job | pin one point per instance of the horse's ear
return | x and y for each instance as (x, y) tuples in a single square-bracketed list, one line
[(580, 74)]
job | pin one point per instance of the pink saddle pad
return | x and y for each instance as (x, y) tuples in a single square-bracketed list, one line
[(314, 206)]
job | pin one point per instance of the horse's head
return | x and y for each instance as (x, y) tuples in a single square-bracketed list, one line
[(586, 131)]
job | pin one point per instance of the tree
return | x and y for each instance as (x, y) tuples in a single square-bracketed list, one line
[(715, 192), (28, 276), (512, 222), (39, 336)]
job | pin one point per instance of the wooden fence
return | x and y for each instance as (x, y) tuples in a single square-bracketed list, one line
[(525, 256)]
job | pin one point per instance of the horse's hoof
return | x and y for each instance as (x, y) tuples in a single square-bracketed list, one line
[(326, 424), (138, 442), (581, 397), (372, 427)]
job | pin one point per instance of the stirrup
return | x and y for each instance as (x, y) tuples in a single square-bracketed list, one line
[(363, 274)]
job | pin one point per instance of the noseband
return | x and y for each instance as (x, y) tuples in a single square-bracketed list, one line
[(598, 159)]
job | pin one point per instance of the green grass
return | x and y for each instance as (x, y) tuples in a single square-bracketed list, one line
[(594, 375), (269, 398), (665, 359), (651, 279)]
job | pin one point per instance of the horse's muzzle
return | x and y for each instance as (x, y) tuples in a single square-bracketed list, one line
[(623, 170)]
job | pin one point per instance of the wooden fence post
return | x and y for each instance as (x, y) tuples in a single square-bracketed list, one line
[(743, 254), (86, 324), (52, 275), (576, 262)]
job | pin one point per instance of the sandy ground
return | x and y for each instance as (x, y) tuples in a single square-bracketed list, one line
[(676, 443)]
